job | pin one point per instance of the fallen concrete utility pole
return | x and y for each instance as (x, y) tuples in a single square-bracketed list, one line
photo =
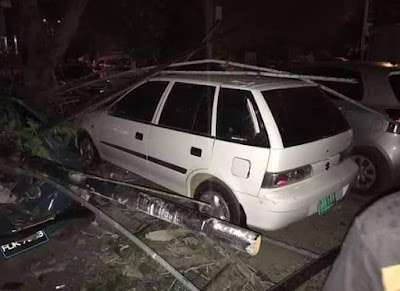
[(237, 237)]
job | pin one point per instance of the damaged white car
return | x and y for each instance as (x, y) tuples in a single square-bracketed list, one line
[(262, 151)]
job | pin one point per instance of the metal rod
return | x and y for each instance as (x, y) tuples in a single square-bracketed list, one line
[(299, 250), (264, 74), (282, 74), (119, 227), (364, 30), (76, 176), (355, 103), (305, 273)]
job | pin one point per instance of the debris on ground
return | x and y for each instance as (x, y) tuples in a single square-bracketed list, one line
[(6, 197), (166, 234), (98, 258)]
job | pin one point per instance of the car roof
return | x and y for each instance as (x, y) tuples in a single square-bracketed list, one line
[(234, 80)]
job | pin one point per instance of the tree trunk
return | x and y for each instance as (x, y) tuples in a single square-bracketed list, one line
[(44, 51)]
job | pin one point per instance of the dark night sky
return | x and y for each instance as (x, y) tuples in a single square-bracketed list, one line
[(313, 24)]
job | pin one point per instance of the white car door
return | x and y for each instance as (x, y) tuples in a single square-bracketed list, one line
[(241, 150), (126, 127), (181, 142)]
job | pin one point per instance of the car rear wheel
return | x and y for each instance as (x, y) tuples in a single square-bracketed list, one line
[(373, 172), (87, 151), (222, 203)]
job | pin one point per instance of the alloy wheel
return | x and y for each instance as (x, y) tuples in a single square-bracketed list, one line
[(86, 151), (366, 172), (218, 206)]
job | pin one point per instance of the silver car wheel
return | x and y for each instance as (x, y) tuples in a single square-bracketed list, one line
[(366, 172), (218, 206), (86, 151)]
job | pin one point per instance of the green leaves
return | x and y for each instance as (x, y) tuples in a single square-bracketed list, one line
[(29, 139), (66, 131), (25, 133)]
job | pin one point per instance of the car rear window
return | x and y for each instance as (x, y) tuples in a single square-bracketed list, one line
[(395, 83), (304, 115)]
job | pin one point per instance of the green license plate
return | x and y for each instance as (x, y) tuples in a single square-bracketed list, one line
[(326, 203)]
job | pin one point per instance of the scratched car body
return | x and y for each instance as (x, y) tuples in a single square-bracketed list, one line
[(261, 151)]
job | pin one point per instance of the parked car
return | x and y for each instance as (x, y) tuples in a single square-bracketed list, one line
[(376, 141), (112, 62), (265, 151)]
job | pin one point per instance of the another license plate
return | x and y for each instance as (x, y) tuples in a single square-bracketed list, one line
[(17, 247), (326, 203)]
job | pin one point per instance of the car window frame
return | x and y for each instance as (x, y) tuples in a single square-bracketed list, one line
[(165, 98), (109, 109), (258, 115)]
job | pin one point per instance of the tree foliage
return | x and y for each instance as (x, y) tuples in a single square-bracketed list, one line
[(25, 132)]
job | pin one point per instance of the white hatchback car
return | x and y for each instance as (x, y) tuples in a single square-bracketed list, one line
[(264, 151)]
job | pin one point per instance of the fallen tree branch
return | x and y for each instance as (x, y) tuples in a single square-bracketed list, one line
[(90, 106)]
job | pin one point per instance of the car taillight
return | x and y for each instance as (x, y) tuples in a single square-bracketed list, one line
[(394, 128), (395, 115), (275, 180), (344, 155)]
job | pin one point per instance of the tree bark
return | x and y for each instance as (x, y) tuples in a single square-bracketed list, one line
[(44, 51)]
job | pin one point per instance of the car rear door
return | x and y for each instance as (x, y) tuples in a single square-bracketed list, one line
[(126, 127), (241, 151), (181, 141)]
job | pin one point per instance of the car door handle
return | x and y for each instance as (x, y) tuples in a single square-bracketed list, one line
[(195, 152), (139, 136)]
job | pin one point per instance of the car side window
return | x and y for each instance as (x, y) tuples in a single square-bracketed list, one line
[(141, 103), (238, 119), (189, 108)]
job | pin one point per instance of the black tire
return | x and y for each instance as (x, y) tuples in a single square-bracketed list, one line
[(369, 160), (85, 144), (211, 187)]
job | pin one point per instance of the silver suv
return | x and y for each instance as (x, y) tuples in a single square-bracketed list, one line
[(376, 141)]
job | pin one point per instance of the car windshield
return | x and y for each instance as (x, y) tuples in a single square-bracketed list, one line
[(304, 115)]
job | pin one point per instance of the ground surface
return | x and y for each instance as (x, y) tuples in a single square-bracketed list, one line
[(92, 256)]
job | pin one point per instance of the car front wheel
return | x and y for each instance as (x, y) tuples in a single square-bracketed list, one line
[(87, 150)]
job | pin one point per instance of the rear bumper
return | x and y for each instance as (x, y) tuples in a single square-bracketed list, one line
[(276, 208)]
